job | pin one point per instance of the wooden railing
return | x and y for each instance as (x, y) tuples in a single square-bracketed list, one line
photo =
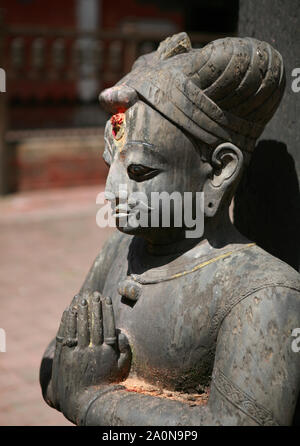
[(49, 54)]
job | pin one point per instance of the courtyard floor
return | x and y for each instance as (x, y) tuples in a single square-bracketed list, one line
[(48, 241)]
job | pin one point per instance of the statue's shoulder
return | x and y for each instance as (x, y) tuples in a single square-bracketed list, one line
[(264, 269), (278, 282), (117, 244), (254, 272), (112, 248), (253, 269)]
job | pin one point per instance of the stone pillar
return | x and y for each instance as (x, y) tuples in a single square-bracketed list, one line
[(88, 14), (267, 204)]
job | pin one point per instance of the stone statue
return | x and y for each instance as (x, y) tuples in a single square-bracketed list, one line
[(170, 329)]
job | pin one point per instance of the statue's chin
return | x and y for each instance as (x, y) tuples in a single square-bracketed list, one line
[(132, 230), (148, 232), (124, 224)]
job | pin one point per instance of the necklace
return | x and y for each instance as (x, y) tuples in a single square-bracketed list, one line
[(131, 287), (140, 279)]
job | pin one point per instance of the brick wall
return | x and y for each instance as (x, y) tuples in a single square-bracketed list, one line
[(51, 161)]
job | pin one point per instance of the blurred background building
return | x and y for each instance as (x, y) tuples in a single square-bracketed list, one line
[(59, 55)]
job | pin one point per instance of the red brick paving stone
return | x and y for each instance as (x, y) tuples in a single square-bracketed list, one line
[(48, 241)]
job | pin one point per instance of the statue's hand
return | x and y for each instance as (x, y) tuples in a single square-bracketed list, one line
[(89, 352)]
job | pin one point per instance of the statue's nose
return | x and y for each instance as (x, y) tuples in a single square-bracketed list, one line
[(116, 182)]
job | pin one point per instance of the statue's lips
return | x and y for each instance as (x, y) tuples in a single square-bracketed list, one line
[(121, 211), (125, 209), (121, 214)]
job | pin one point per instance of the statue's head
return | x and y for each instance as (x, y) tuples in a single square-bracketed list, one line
[(187, 120)]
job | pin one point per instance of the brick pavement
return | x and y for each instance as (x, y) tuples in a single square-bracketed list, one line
[(48, 241)]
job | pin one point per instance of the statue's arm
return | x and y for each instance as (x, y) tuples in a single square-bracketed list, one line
[(256, 376), (46, 372), (256, 373)]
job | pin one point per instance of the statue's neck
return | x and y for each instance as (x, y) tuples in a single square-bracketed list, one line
[(218, 232)]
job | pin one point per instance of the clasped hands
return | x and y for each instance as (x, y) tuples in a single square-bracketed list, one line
[(89, 352)]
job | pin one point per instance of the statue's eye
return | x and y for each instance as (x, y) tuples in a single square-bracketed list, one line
[(138, 172)]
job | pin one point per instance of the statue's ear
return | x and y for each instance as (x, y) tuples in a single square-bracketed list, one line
[(227, 163)]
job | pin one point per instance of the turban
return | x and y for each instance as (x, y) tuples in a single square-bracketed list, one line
[(226, 91)]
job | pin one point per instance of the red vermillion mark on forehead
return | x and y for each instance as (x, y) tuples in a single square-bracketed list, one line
[(117, 121)]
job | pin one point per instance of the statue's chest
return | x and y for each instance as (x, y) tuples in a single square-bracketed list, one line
[(168, 326)]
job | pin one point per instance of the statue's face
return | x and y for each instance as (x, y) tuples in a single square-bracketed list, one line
[(146, 153)]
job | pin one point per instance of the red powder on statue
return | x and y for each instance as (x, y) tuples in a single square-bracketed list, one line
[(116, 122)]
